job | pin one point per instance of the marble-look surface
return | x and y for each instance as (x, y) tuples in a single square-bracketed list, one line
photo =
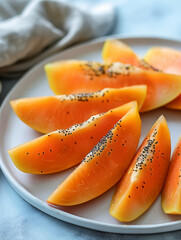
[(18, 219)]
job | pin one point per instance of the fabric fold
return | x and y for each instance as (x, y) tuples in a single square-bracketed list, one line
[(45, 27)]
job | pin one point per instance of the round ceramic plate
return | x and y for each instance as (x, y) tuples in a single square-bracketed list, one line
[(36, 188)]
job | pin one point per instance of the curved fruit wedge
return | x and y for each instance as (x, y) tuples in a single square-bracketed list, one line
[(80, 76), (144, 179), (103, 166), (174, 104), (169, 61), (63, 149), (171, 194), (117, 51), (162, 58), (165, 59), (47, 114)]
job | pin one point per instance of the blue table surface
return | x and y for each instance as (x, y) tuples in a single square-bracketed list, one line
[(18, 219)]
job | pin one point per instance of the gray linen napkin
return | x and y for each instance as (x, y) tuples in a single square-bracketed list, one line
[(33, 30)]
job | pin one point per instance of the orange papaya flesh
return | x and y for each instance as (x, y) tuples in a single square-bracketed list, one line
[(175, 104), (80, 76), (103, 166), (117, 51), (65, 148), (171, 194), (162, 58), (47, 114), (169, 61), (165, 59), (145, 176)]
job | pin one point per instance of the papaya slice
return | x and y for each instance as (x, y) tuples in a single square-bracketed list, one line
[(63, 149), (169, 61), (175, 104), (145, 177), (47, 114), (80, 76), (171, 194), (103, 166), (165, 59), (117, 51)]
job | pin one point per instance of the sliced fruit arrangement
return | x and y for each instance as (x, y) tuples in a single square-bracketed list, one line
[(156, 59), (65, 148), (73, 76), (47, 114), (145, 177), (171, 194), (104, 165), (168, 60), (117, 51), (96, 122)]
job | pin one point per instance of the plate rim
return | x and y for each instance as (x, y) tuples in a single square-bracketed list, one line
[(60, 214)]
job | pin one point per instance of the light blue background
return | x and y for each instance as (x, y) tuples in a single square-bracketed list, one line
[(18, 219)]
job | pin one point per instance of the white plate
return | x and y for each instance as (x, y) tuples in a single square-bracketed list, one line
[(35, 188)]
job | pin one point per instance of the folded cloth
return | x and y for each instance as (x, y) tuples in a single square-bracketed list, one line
[(33, 30)]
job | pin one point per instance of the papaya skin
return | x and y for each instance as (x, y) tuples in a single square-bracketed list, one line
[(171, 194), (62, 149), (169, 61), (75, 76), (144, 179), (103, 166), (47, 114)]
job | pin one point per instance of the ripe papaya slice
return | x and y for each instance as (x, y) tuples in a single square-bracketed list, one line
[(165, 59), (169, 61), (145, 176), (117, 51), (47, 114), (103, 166), (171, 194), (63, 149), (175, 104), (80, 76)]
